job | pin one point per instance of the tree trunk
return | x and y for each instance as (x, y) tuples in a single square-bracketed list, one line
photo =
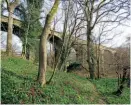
[(25, 44), (28, 53), (43, 57), (10, 6), (102, 61), (42, 46), (90, 59), (98, 68), (122, 83), (128, 80), (9, 34), (98, 61)]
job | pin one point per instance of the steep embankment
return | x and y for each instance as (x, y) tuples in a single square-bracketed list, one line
[(19, 86)]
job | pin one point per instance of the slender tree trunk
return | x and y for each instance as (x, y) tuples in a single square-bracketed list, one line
[(25, 43), (98, 61), (28, 53), (102, 61), (98, 68), (128, 80), (24, 49), (9, 34), (42, 46), (122, 83), (89, 55)]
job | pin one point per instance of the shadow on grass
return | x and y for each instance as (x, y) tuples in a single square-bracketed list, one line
[(15, 75)]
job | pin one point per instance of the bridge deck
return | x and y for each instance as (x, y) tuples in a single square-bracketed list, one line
[(18, 23), (15, 21)]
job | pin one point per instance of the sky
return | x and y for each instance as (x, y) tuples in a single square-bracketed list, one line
[(120, 33), (17, 43)]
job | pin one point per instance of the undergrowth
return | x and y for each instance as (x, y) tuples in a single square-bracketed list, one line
[(19, 86), (106, 87)]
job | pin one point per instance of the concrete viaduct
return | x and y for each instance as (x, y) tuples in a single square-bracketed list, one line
[(57, 38)]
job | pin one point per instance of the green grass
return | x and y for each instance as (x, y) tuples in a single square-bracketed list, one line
[(107, 86), (19, 86)]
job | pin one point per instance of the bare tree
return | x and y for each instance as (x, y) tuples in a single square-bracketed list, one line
[(71, 26), (95, 12), (104, 34), (122, 63)]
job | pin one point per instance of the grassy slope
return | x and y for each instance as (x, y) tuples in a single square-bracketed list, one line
[(107, 86), (19, 86)]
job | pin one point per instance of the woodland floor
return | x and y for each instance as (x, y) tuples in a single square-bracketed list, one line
[(19, 86)]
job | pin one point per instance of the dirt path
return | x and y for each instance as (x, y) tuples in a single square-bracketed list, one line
[(102, 99)]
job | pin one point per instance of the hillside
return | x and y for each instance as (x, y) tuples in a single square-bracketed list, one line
[(19, 85)]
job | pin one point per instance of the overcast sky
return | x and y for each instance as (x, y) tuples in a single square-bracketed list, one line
[(120, 33)]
